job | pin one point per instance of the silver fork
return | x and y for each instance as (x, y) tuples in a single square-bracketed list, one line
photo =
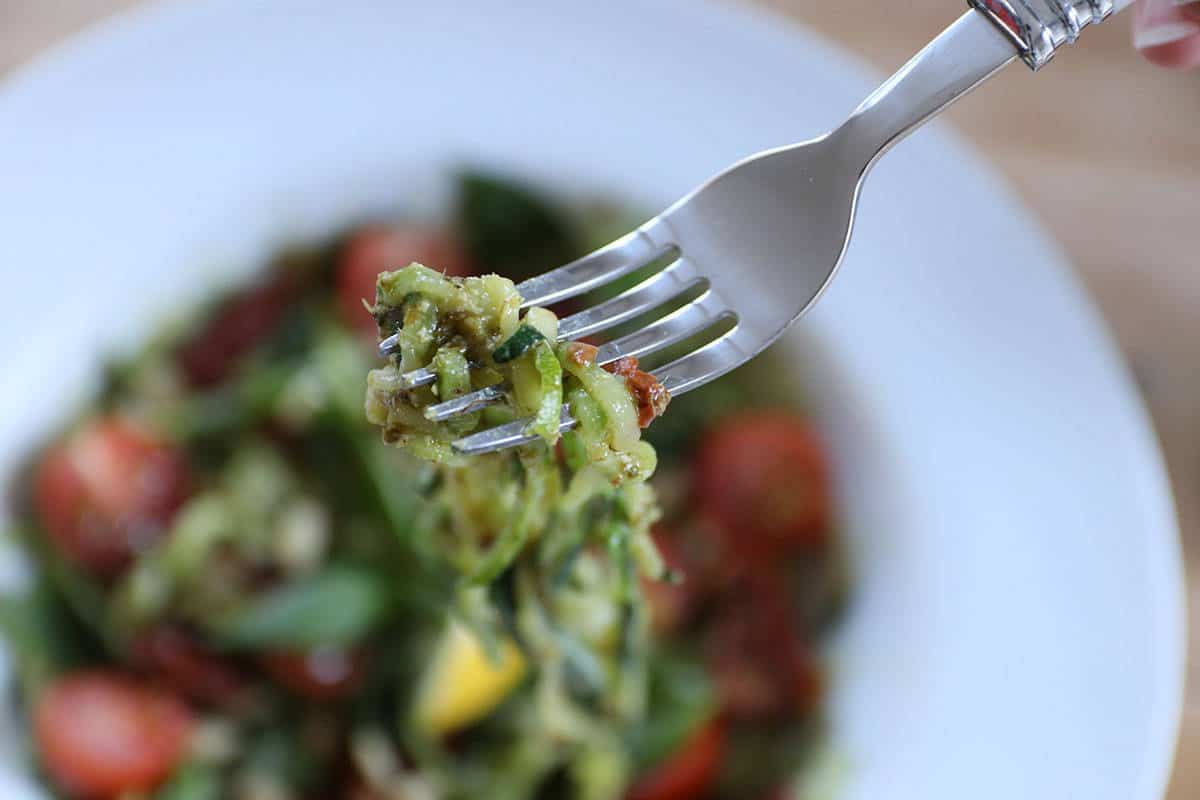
[(762, 240)]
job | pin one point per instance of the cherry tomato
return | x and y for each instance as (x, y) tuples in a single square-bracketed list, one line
[(378, 248), (107, 491), (325, 673), (179, 659), (101, 734), (761, 665), (764, 478), (689, 772), (239, 324)]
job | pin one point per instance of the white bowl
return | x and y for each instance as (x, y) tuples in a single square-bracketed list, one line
[(1017, 630)]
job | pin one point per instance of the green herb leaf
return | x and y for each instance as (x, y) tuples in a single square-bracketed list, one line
[(192, 782), (510, 229), (681, 700), (518, 344), (41, 634), (336, 607)]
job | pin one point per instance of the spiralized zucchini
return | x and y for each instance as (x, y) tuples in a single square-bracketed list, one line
[(549, 539)]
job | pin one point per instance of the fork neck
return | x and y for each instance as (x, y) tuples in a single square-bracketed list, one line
[(968, 53)]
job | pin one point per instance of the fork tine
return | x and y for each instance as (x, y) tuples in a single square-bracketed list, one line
[(655, 290), (630, 252), (692, 318), (504, 436), (703, 312), (660, 287), (472, 401), (725, 353), (417, 377), (623, 256), (389, 345)]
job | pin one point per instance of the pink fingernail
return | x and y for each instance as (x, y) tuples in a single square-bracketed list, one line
[(1161, 22), (1189, 7)]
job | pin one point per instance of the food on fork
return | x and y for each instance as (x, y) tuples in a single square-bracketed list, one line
[(470, 333), (565, 527)]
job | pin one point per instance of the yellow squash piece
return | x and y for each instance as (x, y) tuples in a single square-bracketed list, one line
[(462, 685)]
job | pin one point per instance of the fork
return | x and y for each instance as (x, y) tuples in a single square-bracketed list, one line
[(759, 243)]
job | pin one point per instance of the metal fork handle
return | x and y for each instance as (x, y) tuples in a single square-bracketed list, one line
[(1039, 28), (980, 43)]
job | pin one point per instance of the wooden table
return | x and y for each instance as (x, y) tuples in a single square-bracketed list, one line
[(1102, 146)]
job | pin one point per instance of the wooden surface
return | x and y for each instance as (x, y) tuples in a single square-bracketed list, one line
[(1102, 146)]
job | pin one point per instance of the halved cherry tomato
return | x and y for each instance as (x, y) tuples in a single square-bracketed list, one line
[(101, 734), (379, 248), (756, 654), (764, 478), (107, 491), (325, 673), (178, 658), (243, 321), (689, 772)]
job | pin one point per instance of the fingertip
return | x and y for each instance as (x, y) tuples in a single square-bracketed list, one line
[(1167, 33), (1190, 9), (1183, 54)]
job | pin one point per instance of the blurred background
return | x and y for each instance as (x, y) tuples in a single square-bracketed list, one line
[(1101, 146)]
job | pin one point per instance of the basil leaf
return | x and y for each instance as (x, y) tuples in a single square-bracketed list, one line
[(336, 607)]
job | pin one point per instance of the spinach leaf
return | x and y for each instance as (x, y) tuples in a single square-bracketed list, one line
[(280, 753), (338, 606), (43, 637), (192, 782), (681, 699), (510, 229)]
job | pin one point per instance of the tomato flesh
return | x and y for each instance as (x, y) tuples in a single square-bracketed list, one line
[(101, 734), (325, 673), (689, 772), (759, 661), (108, 491), (242, 322), (764, 479), (179, 659)]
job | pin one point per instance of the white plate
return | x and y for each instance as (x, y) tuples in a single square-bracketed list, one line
[(1018, 626)]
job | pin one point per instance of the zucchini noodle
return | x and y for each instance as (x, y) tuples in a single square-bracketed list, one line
[(548, 540)]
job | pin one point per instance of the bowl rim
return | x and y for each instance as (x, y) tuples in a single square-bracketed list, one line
[(1170, 602)]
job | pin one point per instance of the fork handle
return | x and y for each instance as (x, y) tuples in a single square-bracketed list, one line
[(1039, 28), (981, 43)]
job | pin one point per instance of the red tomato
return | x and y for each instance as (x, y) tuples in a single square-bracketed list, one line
[(765, 480), (239, 324), (378, 248), (107, 491), (179, 659), (761, 665), (325, 673), (689, 772), (101, 734)]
